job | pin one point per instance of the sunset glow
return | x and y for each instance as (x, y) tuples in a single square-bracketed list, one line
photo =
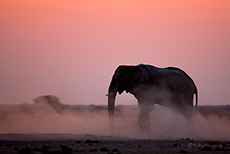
[(71, 48)]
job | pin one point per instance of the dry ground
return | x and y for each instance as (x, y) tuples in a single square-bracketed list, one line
[(67, 143)]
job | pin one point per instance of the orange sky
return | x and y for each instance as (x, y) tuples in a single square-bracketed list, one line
[(70, 48)]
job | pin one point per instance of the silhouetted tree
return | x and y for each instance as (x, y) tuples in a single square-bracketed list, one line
[(52, 101)]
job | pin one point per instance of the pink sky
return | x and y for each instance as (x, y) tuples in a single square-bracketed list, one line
[(71, 48)]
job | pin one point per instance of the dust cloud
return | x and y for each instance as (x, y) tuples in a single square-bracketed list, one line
[(48, 115)]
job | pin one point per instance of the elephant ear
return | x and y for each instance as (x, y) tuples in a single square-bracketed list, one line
[(121, 88), (123, 75), (139, 79)]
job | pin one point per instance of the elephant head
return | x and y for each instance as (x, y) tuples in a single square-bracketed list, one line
[(121, 81)]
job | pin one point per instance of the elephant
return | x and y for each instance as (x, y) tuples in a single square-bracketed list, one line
[(170, 87)]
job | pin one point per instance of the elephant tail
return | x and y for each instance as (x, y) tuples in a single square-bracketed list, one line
[(196, 93)]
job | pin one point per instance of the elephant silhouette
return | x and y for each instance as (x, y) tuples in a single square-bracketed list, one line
[(170, 87)]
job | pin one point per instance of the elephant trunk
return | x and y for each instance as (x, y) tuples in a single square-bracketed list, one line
[(111, 102)]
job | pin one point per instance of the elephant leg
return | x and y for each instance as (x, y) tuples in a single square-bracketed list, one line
[(186, 111), (184, 106), (187, 101), (144, 115)]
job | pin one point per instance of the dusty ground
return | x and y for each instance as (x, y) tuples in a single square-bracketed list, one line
[(67, 143), (48, 128)]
